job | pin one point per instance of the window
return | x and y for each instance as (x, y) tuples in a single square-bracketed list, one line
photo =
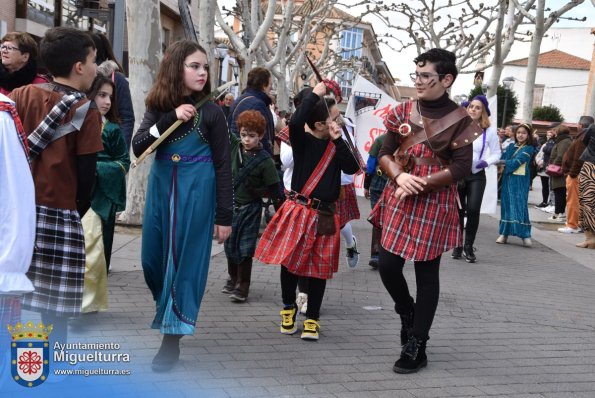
[(345, 80), (351, 43), (166, 37), (538, 95)]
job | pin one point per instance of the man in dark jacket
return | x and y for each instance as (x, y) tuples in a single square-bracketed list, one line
[(571, 166), (256, 97)]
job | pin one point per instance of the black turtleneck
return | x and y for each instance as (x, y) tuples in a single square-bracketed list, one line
[(22, 77), (436, 109)]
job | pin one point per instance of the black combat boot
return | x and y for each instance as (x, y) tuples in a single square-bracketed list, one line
[(406, 313), (469, 252), (413, 356), (457, 252)]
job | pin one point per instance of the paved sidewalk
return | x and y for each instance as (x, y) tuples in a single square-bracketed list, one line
[(518, 323)]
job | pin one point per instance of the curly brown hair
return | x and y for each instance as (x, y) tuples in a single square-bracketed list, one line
[(252, 121), (166, 93)]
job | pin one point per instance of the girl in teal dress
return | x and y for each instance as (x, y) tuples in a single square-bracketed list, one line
[(514, 219), (189, 193)]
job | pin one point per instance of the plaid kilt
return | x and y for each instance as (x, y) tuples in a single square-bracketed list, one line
[(290, 239), (421, 227), (58, 266), (347, 206), (244, 231), (376, 187)]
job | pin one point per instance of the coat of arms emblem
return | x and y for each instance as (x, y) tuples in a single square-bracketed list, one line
[(30, 353)]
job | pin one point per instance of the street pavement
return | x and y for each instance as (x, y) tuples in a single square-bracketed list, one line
[(518, 323)]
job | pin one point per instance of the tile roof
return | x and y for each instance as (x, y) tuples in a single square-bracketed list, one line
[(555, 59)]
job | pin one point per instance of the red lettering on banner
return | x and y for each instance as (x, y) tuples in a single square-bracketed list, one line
[(373, 134), (382, 112)]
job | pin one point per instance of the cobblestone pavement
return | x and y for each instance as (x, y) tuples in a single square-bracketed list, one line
[(518, 323)]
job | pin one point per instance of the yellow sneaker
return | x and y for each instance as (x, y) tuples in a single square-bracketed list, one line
[(311, 328), (288, 320)]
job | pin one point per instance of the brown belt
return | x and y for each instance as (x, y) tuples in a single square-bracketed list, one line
[(426, 161), (407, 161)]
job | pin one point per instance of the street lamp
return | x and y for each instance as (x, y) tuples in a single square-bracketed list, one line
[(507, 82), (220, 53)]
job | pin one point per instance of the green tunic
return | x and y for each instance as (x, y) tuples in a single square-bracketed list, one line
[(109, 195)]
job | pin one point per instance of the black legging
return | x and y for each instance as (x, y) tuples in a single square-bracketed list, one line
[(545, 189), (315, 292), (560, 200), (427, 279), (471, 195)]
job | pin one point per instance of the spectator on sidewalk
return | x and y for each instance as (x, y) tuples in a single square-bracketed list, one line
[(514, 217), (542, 159), (256, 96), (571, 166), (19, 62), (586, 190), (226, 105), (109, 66), (563, 141)]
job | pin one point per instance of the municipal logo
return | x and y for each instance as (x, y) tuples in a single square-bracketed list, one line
[(30, 353)]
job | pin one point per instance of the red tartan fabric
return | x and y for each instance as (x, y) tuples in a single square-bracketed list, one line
[(290, 239), (421, 227), (347, 207), (17, 122), (283, 136)]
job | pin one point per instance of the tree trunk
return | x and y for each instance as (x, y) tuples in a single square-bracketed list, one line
[(532, 62), (144, 54)]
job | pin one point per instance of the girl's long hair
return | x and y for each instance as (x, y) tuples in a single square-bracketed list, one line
[(166, 92), (100, 80)]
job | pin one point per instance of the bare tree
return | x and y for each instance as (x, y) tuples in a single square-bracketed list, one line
[(462, 27), (541, 25), (279, 34), (144, 54)]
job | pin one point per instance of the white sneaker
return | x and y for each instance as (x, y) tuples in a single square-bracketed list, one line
[(302, 302), (549, 209), (557, 218), (527, 242), (568, 230), (352, 254)]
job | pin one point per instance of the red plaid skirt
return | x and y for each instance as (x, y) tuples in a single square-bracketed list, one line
[(290, 239), (421, 227), (347, 207)]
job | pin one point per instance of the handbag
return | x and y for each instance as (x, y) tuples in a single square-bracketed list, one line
[(554, 170), (326, 223)]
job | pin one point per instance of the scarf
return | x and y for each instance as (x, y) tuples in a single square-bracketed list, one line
[(43, 133)]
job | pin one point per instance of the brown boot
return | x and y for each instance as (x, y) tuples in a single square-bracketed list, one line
[(240, 292), (590, 239)]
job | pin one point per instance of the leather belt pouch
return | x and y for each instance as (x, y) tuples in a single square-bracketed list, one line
[(326, 222)]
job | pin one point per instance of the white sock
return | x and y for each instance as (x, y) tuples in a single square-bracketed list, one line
[(347, 234)]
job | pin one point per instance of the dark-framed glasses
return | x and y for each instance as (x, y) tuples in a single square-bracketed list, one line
[(6, 47), (424, 77)]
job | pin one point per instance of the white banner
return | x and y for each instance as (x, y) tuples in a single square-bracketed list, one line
[(367, 107)]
